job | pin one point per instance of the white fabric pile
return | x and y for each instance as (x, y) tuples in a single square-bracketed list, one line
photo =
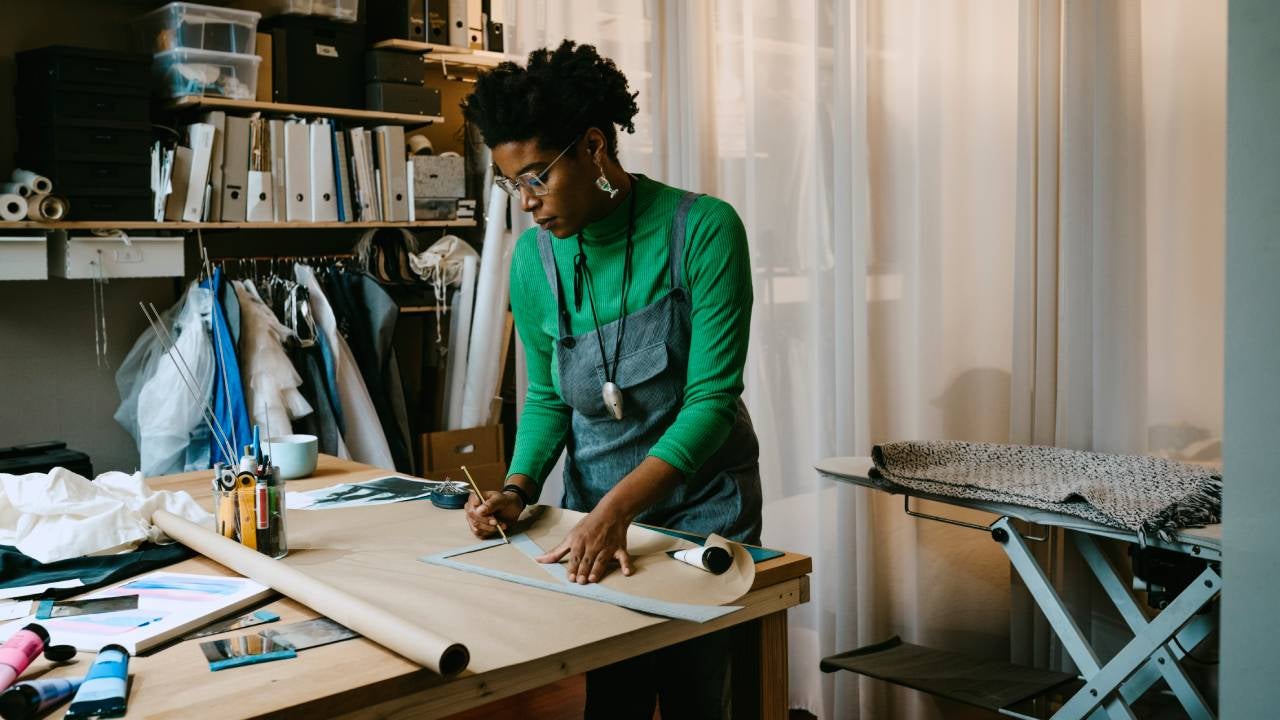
[(62, 515)]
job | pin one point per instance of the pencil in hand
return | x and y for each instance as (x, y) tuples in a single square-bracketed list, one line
[(480, 497)]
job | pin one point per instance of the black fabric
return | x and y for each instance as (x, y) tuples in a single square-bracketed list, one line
[(346, 294), (990, 684), (17, 569), (323, 420), (689, 680)]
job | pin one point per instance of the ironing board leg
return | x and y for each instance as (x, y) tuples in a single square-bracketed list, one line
[(1150, 639), (1064, 626), (1164, 661)]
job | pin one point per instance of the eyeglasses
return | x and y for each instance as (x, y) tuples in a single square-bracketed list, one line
[(535, 183)]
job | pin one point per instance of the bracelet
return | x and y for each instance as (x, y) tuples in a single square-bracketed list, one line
[(518, 492)]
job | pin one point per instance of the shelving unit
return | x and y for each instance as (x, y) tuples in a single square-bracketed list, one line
[(151, 225), (479, 59), (197, 102)]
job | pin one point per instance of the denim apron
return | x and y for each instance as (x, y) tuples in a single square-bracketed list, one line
[(722, 496)]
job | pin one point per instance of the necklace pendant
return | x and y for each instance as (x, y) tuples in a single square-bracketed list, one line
[(612, 395)]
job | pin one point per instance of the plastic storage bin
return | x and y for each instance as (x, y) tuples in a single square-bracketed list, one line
[(340, 10), (205, 72), (197, 27)]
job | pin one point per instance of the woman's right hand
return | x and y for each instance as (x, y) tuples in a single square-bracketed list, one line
[(499, 509)]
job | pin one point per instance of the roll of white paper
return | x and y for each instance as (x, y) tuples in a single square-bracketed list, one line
[(459, 342), (712, 558), (16, 188), (43, 207), (13, 207), (483, 371), (37, 183)]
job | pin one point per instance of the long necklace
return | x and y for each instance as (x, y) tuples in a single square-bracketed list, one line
[(610, 392)]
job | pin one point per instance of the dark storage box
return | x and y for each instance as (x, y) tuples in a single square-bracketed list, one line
[(396, 19), (43, 457), (315, 61), (77, 138), (396, 67), (110, 204), (83, 66), (401, 98), (57, 104)]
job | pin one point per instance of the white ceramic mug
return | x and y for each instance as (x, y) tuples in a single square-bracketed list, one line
[(295, 455)]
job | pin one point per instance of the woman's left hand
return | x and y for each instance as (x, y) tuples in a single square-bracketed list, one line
[(594, 544)]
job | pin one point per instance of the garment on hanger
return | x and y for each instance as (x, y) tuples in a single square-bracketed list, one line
[(269, 379), (363, 433), (167, 414), (366, 317), (323, 421), (228, 393)]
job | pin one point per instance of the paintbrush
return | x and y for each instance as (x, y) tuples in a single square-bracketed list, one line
[(480, 497)]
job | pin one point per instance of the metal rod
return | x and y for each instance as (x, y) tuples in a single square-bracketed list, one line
[(906, 507)]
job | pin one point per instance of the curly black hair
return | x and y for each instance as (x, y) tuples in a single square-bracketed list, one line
[(557, 97)]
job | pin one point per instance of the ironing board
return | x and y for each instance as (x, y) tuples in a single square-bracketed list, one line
[(1157, 646)]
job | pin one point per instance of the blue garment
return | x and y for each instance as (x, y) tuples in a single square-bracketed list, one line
[(228, 392)]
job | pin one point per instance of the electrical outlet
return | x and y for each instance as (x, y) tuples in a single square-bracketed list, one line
[(129, 255)]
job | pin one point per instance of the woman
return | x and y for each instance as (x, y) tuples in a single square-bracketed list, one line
[(633, 302)]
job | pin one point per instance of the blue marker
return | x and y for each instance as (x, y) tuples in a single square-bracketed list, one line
[(31, 699), (104, 688)]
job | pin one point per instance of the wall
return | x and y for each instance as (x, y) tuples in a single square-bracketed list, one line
[(51, 386), (1251, 535)]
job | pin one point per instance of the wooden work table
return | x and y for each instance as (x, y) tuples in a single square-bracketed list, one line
[(359, 679)]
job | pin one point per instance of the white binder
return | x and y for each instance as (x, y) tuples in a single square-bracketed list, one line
[(297, 171), (201, 138), (395, 178), (235, 169), (324, 190), (459, 33)]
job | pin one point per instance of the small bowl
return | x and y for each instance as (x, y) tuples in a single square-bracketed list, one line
[(295, 455)]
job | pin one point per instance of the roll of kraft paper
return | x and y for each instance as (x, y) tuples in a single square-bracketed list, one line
[(43, 207), (418, 644), (17, 188), (37, 183), (13, 207)]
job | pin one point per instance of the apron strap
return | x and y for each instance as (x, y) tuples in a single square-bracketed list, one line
[(553, 279), (675, 258)]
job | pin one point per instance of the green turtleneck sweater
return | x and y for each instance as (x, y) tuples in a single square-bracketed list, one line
[(718, 274)]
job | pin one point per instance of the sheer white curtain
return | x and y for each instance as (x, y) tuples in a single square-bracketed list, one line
[(992, 220)]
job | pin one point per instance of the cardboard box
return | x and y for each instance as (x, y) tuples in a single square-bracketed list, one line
[(439, 176), (469, 446), (489, 476)]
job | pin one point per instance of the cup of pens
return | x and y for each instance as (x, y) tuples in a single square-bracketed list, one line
[(249, 504)]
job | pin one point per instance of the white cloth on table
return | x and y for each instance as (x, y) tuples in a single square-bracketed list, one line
[(59, 515), (362, 430)]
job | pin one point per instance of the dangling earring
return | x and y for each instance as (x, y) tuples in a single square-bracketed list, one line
[(603, 183)]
